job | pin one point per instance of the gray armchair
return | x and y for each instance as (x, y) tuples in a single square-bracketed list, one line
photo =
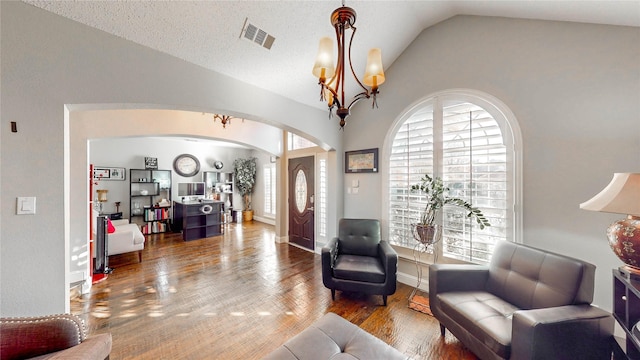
[(357, 260), (527, 304)]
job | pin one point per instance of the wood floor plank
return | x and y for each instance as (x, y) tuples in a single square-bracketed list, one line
[(238, 296)]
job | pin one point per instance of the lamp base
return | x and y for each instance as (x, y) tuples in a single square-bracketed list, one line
[(624, 240)]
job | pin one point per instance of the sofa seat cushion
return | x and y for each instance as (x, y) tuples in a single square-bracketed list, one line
[(484, 315), (359, 268)]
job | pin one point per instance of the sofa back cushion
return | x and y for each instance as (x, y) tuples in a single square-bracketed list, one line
[(27, 337), (359, 237), (532, 278)]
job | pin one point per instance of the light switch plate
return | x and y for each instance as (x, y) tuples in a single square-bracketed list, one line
[(26, 205)]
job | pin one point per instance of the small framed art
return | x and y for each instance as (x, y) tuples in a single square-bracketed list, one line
[(150, 163), (108, 173), (361, 161)]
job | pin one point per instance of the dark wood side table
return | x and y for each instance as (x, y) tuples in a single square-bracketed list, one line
[(114, 216), (626, 311)]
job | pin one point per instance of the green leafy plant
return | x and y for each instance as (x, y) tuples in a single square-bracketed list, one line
[(244, 171), (437, 198)]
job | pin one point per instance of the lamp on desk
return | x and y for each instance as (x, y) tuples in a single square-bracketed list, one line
[(622, 196)]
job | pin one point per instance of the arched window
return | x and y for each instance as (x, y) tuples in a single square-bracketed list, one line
[(471, 141)]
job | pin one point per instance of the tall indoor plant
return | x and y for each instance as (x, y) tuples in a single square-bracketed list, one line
[(244, 171), (426, 231)]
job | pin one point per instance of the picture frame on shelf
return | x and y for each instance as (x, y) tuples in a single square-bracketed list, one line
[(150, 163), (361, 161), (109, 173)]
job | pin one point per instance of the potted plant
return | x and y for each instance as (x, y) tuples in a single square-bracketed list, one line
[(426, 231), (244, 171)]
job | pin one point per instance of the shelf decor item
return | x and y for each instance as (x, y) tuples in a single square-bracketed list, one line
[(244, 171), (425, 230), (622, 196)]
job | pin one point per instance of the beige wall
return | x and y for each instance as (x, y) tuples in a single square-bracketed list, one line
[(51, 67), (575, 92)]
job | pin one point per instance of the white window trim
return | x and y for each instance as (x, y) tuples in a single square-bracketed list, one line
[(499, 111)]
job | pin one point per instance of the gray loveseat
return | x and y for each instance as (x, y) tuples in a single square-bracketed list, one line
[(527, 304)]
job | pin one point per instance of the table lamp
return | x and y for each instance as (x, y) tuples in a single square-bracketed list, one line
[(622, 196), (102, 198)]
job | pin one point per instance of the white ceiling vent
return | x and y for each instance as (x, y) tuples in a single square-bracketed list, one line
[(258, 36)]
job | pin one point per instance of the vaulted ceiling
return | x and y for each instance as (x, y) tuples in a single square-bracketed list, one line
[(210, 33)]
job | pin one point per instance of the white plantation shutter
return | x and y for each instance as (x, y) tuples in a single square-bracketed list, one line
[(467, 150), (411, 156), (269, 190), (321, 202)]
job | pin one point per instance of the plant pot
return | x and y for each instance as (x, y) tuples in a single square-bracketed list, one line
[(247, 215), (426, 234)]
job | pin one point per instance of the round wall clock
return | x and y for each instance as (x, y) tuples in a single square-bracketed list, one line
[(218, 165), (186, 165)]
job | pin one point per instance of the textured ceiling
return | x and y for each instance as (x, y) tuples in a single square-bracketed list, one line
[(207, 33)]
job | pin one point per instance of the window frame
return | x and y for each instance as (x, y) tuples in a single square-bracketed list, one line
[(508, 124)]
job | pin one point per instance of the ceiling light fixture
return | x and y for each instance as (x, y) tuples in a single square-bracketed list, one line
[(224, 119), (332, 91)]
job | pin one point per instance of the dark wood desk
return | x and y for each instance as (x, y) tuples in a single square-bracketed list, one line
[(198, 220)]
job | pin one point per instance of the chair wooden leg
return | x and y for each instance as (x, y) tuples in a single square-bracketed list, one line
[(333, 294), (442, 330), (140, 256), (384, 299)]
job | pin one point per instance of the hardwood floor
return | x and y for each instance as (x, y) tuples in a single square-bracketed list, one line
[(238, 296)]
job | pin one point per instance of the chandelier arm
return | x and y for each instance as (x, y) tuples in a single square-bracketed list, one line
[(340, 29), (353, 33), (361, 96), (336, 101)]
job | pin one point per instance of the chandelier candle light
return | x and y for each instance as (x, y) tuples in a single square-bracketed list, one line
[(331, 79), (622, 196)]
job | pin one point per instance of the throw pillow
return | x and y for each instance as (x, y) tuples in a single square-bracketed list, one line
[(110, 228)]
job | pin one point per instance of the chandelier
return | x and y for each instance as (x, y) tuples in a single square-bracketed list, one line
[(331, 79), (224, 119)]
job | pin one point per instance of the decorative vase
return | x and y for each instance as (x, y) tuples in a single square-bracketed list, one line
[(426, 234), (247, 215)]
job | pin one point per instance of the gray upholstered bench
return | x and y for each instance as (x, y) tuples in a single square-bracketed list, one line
[(332, 337)]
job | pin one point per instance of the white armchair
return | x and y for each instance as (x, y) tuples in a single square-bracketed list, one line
[(126, 238)]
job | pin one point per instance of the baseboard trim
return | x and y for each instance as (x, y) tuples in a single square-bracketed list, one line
[(412, 281), (265, 220)]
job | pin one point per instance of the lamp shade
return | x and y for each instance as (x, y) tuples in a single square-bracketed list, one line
[(374, 72), (324, 68), (621, 196), (102, 195)]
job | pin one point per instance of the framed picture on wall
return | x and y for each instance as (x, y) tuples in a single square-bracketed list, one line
[(361, 161), (108, 173)]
